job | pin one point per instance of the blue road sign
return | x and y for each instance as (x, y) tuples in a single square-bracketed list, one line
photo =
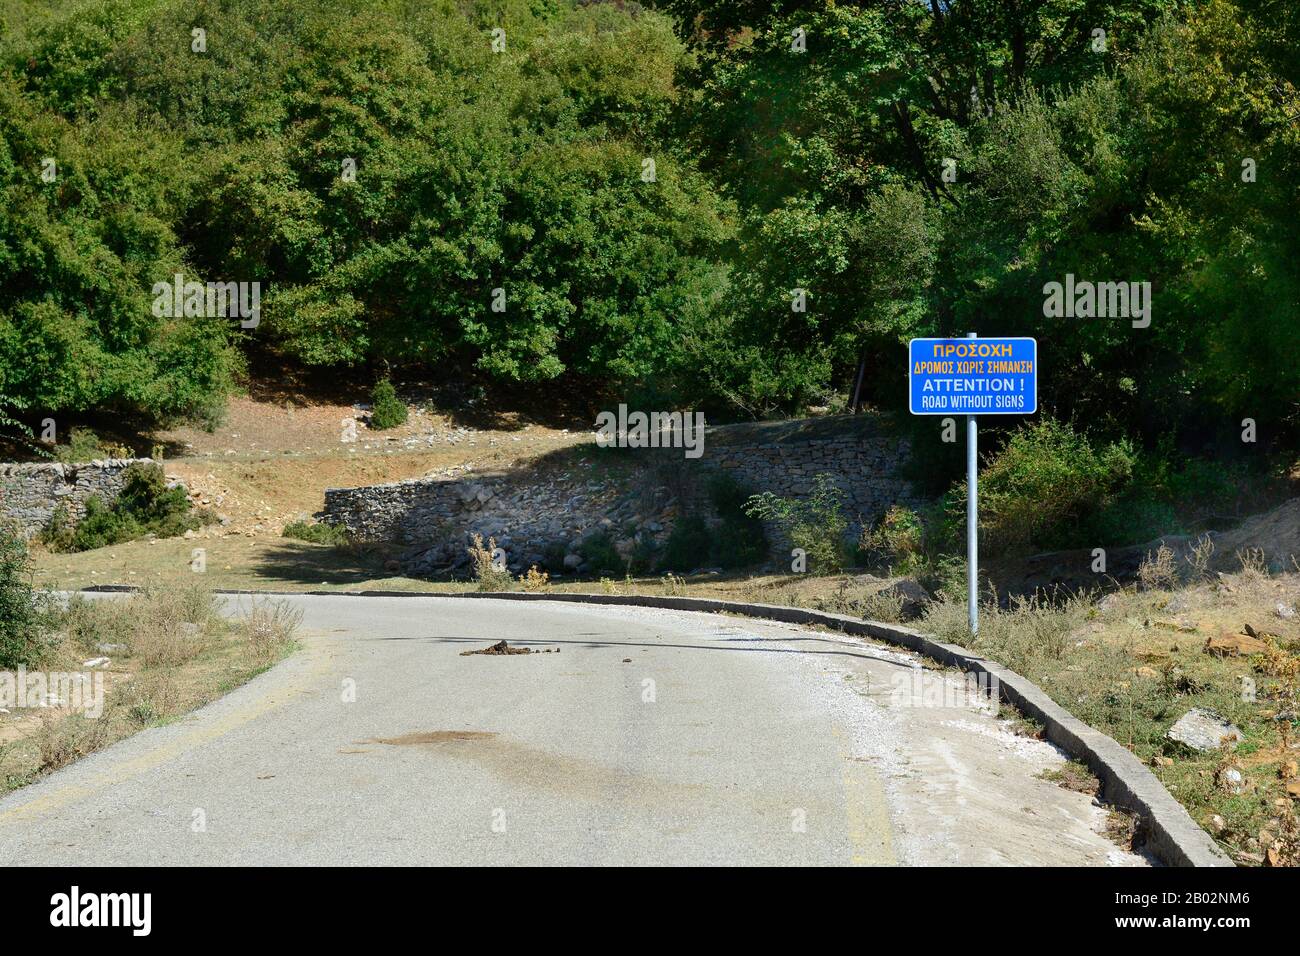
[(973, 376)]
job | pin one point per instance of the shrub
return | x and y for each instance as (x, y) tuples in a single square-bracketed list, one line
[(103, 526), (146, 498), (84, 445), (490, 575), (815, 523), (1039, 489), (534, 580), (688, 545), (1157, 569), (739, 540), (59, 533), (316, 533), (898, 538), (598, 551), (269, 627), (145, 505), (386, 409), (22, 614)]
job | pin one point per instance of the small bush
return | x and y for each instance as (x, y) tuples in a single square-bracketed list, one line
[(60, 532), (270, 627), (386, 409), (898, 538), (22, 613), (102, 526), (816, 523), (489, 575), (739, 540), (534, 580), (84, 445), (1157, 570), (688, 545), (61, 741), (316, 533), (673, 585), (1039, 489), (146, 498), (598, 551), (145, 505)]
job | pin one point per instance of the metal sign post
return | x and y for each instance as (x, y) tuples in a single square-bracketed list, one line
[(985, 377), (972, 521)]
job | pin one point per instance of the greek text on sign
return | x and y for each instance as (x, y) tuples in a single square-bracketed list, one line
[(973, 376)]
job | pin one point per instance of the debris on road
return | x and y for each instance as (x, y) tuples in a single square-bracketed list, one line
[(501, 647)]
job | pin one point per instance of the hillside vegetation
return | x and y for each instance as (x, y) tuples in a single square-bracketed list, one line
[(741, 207)]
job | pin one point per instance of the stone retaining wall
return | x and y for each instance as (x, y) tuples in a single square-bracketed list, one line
[(541, 514), (30, 492)]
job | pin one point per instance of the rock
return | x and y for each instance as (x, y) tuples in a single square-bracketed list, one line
[(1234, 645), (1232, 780), (1108, 602), (96, 662), (1202, 730), (572, 562), (1285, 611), (914, 597), (1218, 824)]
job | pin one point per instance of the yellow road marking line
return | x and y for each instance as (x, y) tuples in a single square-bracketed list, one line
[(871, 840)]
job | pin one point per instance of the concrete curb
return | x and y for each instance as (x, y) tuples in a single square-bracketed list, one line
[(1167, 831)]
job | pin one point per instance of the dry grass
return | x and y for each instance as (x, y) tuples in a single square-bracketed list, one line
[(1073, 775), (1131, 665), (170, 651)]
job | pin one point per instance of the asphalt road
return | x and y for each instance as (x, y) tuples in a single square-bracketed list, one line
[(644, 737)]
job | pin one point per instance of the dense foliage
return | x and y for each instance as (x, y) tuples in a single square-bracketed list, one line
[(737, 204), (146, 505)]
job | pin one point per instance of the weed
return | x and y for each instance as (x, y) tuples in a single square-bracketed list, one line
[(673, 585), (488, 572), (269, 627), (534, 580), (316, 532), (1157, 570)]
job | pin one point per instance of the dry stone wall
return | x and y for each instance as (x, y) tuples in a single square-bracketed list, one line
[(543, 515), (30, 492)]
